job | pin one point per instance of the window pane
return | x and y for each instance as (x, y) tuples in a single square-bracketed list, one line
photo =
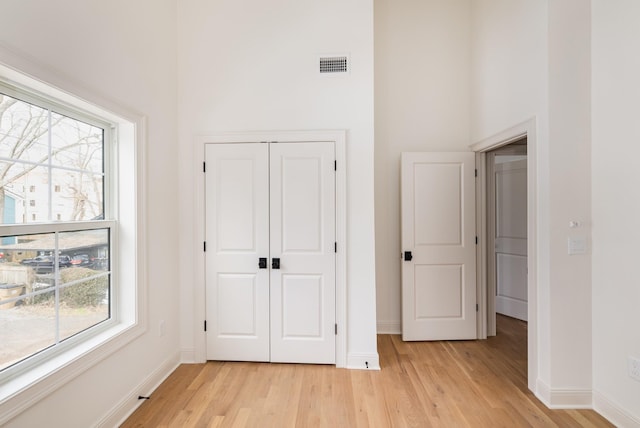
[(29, 259), (48, 154), (80, 195), (23, 193), (83, 304), (76, 195), (84, 293), (23, 130), (27, 326), (76, 144), (31, 318), (86, 249)]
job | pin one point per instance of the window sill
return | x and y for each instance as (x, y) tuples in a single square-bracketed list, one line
[(26, 389)]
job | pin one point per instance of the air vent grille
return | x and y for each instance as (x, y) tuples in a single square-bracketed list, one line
[(333, 64)]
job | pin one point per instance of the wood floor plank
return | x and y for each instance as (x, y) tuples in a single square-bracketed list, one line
[(421, 384)]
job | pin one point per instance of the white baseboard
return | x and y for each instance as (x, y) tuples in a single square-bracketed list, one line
[(354, 360), (613, 412), (389, 327), (571, 399), (563, 398), (363, 361), (188, 356), (129, 403), (543, 392)]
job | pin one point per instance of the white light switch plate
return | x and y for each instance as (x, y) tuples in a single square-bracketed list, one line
[(577, 245)]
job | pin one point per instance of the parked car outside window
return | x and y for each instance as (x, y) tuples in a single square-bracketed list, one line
[(44, 264), (80, 260)]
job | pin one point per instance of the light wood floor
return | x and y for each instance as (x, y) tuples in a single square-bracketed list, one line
[(424, 384)]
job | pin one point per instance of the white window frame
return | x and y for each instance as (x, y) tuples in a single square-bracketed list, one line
[(30, 383)]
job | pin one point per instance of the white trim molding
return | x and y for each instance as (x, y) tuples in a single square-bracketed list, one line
[(571, 399), (339, 137), (563, 398), (358, 361), (543, 392), (613, 412), (187, 355), (389, 327)]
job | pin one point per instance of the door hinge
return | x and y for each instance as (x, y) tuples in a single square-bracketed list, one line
[(476, 240), (336, 328), (476, 307), (335, 247), (204, 167), (335, 165), (205, 325), (476, 172), (205, 246)]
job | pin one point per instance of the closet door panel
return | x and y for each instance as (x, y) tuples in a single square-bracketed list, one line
[(302, 226), (237, 236)]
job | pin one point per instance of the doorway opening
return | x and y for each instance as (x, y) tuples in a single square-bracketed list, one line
[(524, 131), (506, 243)]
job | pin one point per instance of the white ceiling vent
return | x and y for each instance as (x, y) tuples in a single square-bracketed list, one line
[(334, 64)]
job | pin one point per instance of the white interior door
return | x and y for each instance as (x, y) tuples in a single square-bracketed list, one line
[(439, 245), (276, 202), (303, 240), (237, 236), (510, 180)]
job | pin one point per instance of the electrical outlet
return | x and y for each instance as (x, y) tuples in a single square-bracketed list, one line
[(634, 368), (161, 328)]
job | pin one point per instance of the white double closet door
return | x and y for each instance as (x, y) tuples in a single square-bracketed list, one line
[(270, 252)]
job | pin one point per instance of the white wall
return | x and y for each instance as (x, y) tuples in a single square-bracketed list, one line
[(252, 66), (422, 87), (616, 206), (123, 52), (509, 65)]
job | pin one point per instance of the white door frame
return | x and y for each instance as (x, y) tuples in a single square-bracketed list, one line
[(525, 129), (339, 139)]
